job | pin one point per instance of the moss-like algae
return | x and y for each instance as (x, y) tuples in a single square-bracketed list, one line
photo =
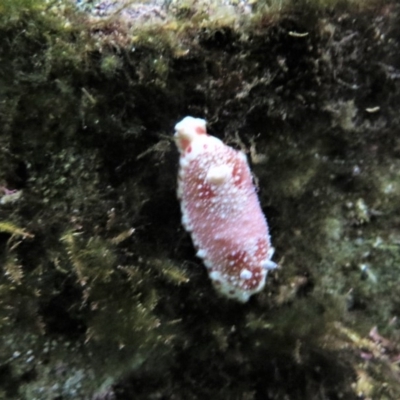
[(101, 294)]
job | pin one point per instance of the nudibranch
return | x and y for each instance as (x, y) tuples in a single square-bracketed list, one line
[(220, 209)]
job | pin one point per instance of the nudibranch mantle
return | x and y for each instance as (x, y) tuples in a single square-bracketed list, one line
[(220, 209)]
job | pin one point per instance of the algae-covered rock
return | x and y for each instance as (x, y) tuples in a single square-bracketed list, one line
[(101, 294)]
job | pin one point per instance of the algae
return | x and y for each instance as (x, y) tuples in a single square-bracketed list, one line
[(102, 296)]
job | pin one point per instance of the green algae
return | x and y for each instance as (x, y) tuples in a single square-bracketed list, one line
[(101, 293)]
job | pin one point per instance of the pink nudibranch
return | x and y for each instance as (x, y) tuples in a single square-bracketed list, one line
[(220, 209)]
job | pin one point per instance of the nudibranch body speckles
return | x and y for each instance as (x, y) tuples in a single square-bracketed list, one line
[(221, 210)]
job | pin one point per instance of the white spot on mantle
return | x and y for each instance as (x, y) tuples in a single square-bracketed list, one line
[(245, 274)]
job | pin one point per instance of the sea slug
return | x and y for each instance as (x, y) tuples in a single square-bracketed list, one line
[(221, 210)]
